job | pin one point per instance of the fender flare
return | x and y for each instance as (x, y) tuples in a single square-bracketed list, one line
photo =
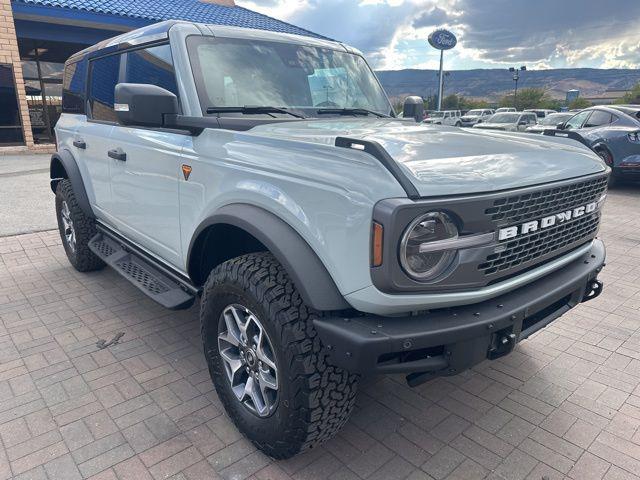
[(70, 166), (305, 269)]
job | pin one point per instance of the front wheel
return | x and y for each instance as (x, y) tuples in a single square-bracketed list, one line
[(606, 155), (458, 124), (266, 361)]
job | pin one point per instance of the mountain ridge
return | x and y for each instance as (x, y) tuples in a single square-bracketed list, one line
[(491, 84)]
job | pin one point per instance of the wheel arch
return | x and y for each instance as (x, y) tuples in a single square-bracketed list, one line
[(246, 228), (64, 166)]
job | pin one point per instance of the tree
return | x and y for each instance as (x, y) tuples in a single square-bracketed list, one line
[(631, 97), (579, 104), (527, 98)]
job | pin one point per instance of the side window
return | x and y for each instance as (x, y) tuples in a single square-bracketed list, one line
[(73, 87), (577, 120), (598, 118), (103, 78), (152, 65)]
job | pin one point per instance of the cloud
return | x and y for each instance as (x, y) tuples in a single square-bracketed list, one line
[(435, 16), (491, 33)]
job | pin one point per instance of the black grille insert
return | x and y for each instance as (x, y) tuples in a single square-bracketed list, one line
[(530, 206), (524, 251)]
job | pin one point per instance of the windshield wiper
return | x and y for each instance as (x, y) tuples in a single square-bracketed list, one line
[(257, 109), (351, 111)]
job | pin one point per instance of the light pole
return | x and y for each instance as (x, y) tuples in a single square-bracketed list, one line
[(516, 77), (441, 76)]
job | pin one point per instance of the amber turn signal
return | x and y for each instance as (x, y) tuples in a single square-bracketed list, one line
[(376, 244)]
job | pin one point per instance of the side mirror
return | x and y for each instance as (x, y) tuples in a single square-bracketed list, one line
[(560, 126), (144, 105), (413, 108)]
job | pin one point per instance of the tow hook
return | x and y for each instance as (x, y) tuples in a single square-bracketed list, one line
[(593, 291), (501, 345)]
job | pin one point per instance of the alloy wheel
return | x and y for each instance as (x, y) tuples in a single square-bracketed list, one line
[(249, 359), (67, 225)]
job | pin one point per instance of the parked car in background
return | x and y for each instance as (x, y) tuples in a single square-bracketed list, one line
[(446, 117), (509, 121), (505, 109), (478, 115), (550, 122), (540, 112), (613, 132)]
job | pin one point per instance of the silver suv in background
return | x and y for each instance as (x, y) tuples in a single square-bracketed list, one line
[(510, 122), (550, 122), (264, 176), (472, 117)]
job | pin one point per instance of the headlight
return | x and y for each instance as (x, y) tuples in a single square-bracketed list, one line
[(421, 263)]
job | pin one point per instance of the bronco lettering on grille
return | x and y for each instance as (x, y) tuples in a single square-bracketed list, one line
[(546, 222)]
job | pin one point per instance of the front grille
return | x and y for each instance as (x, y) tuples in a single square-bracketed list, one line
[(531, 206), (524, 251)]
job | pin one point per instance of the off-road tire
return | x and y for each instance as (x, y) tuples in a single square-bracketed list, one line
[(82, 259), (315, 398)]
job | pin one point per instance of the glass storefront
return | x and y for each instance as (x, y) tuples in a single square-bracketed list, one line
[(10, 122), (43, 83)]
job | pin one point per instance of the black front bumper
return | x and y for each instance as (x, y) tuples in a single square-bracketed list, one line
[(448, 341)]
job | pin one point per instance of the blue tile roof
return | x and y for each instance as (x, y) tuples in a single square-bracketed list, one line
[(190, 10)]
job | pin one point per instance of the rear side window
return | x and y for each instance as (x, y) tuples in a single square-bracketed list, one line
[(73, 87), (598, 118), (152, 66), (103, 79)]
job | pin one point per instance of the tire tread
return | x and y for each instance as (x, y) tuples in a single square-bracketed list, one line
[(324, 395)]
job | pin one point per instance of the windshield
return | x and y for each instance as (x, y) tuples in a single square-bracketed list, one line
[(555, 118), (474, 112), (231, 72), (504, 118)]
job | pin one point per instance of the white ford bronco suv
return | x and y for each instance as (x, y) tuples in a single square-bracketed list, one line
[(266, 175)]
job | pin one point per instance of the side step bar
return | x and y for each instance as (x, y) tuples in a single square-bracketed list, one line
[(140, 272)]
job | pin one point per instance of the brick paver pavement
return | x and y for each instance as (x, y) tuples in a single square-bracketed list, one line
[(565, 404)]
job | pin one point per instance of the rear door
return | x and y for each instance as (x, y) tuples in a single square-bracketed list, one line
[(92, 138), (145, 179)]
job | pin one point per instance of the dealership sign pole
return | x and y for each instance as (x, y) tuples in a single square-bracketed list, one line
[(442, 40)]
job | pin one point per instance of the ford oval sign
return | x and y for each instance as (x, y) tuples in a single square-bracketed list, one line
[(442, 39)]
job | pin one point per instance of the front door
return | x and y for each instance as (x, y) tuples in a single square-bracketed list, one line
[(144, 188), (146, 166)]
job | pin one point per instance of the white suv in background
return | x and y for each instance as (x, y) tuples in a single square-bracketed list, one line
[(445, 117), (478, 115)]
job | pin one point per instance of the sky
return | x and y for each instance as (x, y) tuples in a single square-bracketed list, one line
[(491, 33)]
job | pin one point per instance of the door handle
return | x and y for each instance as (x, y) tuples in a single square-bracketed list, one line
[(117, 154), (80, 144)]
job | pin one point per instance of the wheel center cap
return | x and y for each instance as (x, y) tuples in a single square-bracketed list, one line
[(251, 358)]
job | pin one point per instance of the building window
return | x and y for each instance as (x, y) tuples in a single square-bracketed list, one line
[(10, 122), (104, 73), (43, 85)]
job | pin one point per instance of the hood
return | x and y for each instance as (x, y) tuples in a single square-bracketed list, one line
[(471, 117), (449, 160)]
